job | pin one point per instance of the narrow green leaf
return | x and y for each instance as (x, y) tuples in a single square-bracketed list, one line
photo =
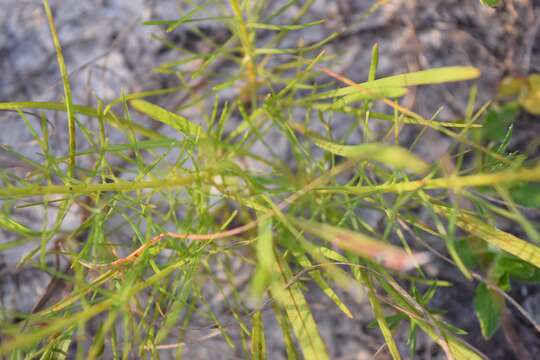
[(67, 88), (456, 348), (13, 226), (79, 189), (59, 346), (380, 317), (392, 155), (431, 76), (450, 182), (175, 121), (374, 62), (138, 95), (489, 306), (258, 344), (321, 282), (424, 77), (390, 92), (79, 109), (441, 332), (283, 27), (299, 314), (266, 263), (285, 326), (172, 23), (498, 238)]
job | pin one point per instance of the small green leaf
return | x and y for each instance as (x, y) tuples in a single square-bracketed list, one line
[(527, 195), (175, 121), (517, 269), (489, 306), (491, 3), (498, 120), (374, 62), (466, 253), (392, 155)]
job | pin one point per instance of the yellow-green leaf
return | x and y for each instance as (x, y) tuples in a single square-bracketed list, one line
[(175, 121), (300, 317), (424, 77), (498, 238), (453, 345), (380, 317), (316, 275), (531, 101), (392, 155), (265, 273), (138, 95), (285, 326), (258, 344), (380, 93), (79, 109), (12, 226)]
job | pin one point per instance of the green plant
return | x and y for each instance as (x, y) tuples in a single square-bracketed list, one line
[(491, 3), (228, 197)]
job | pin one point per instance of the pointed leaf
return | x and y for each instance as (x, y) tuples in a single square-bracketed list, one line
[(299, 314), (498, 238), (258, 344), (12, 226), (424, 77), (489, 306), (391, 155), (175, 121), (266, 263), (319, 280)]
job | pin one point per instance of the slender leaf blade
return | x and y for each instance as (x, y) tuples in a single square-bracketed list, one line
[(175, 121), (299, 314), (392, 155)]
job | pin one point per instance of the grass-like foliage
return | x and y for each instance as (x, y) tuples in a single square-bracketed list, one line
[(264, 181)]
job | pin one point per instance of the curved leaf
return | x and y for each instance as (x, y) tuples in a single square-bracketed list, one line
[(392, 155)]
